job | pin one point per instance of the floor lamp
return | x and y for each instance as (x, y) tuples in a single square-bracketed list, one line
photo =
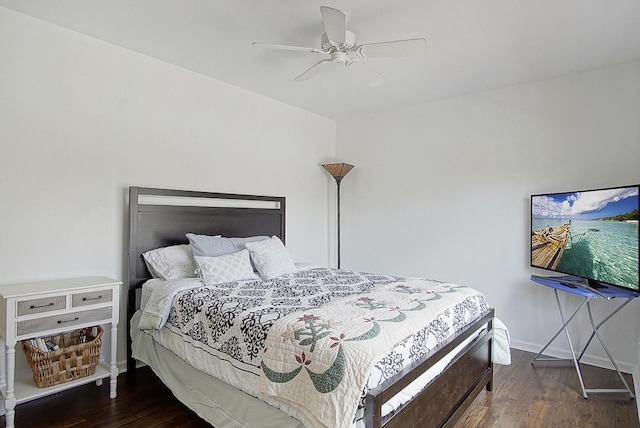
[(338, 171)]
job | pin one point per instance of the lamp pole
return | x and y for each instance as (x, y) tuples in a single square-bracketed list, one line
[(338, 180), (338, 171)]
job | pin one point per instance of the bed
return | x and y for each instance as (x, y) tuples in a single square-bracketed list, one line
[(462, 361)]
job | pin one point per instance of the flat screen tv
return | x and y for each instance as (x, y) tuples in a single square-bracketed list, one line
[(591, 235)]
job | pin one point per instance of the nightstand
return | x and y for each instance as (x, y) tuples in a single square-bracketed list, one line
[(45, 309)]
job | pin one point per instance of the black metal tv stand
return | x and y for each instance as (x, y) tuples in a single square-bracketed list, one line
[(578, 287)]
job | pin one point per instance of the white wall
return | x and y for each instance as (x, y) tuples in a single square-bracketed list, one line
[(442, 189), (81, 120)]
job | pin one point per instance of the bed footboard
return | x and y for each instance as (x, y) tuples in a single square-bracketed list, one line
[(447, 397)]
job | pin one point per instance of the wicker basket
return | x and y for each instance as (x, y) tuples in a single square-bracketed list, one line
[(77, 357)]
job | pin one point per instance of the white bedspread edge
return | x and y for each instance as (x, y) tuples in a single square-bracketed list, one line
[(501, 343)]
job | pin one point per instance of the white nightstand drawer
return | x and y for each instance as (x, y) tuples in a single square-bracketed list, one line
[(91, 298), (63, 320), (37, 306)]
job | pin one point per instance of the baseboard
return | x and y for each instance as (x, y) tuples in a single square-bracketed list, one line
[(122, 366), (591, 360), (636, 387)]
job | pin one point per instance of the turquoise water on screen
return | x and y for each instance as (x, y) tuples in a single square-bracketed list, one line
[(609, 254)]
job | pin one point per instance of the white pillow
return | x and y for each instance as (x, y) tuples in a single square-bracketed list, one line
[(270, 257), (230, 267), (171, 262)]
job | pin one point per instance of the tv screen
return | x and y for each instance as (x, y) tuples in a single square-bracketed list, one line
[(591, 234)]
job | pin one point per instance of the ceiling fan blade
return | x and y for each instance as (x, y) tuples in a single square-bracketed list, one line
[(335, 23), (397, 48), (365, 73), (286, 47), (315, 69)]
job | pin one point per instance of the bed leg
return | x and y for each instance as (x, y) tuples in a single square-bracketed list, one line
[(131, 362), (489, 386), (131, 367)]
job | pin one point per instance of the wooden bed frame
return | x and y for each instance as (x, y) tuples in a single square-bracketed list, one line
[(162, 217)]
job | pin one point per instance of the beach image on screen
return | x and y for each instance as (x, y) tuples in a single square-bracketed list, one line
[(592, 234)]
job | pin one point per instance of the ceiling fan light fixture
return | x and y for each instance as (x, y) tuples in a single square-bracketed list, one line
[(340, 57), (329, 46)]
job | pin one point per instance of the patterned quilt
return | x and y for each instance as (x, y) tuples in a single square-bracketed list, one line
[(320, 359), (230, 324), (230, 321)]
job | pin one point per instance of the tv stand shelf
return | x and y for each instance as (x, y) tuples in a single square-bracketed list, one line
[(574, 285)]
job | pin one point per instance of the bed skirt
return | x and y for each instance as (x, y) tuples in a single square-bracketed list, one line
[(212, 399)]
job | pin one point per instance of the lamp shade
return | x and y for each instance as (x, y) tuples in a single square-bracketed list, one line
[(338, 170)]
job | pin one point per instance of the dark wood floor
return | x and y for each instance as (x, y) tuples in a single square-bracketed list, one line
[(549, 395), (523, 396)]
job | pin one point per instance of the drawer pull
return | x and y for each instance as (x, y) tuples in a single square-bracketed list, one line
[(40, 306), (84, 299), (71, 320)]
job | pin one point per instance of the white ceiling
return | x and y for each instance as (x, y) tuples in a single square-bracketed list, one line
[(473, 45)]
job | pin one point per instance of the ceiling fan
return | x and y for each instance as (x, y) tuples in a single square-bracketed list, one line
[(340, 45)]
